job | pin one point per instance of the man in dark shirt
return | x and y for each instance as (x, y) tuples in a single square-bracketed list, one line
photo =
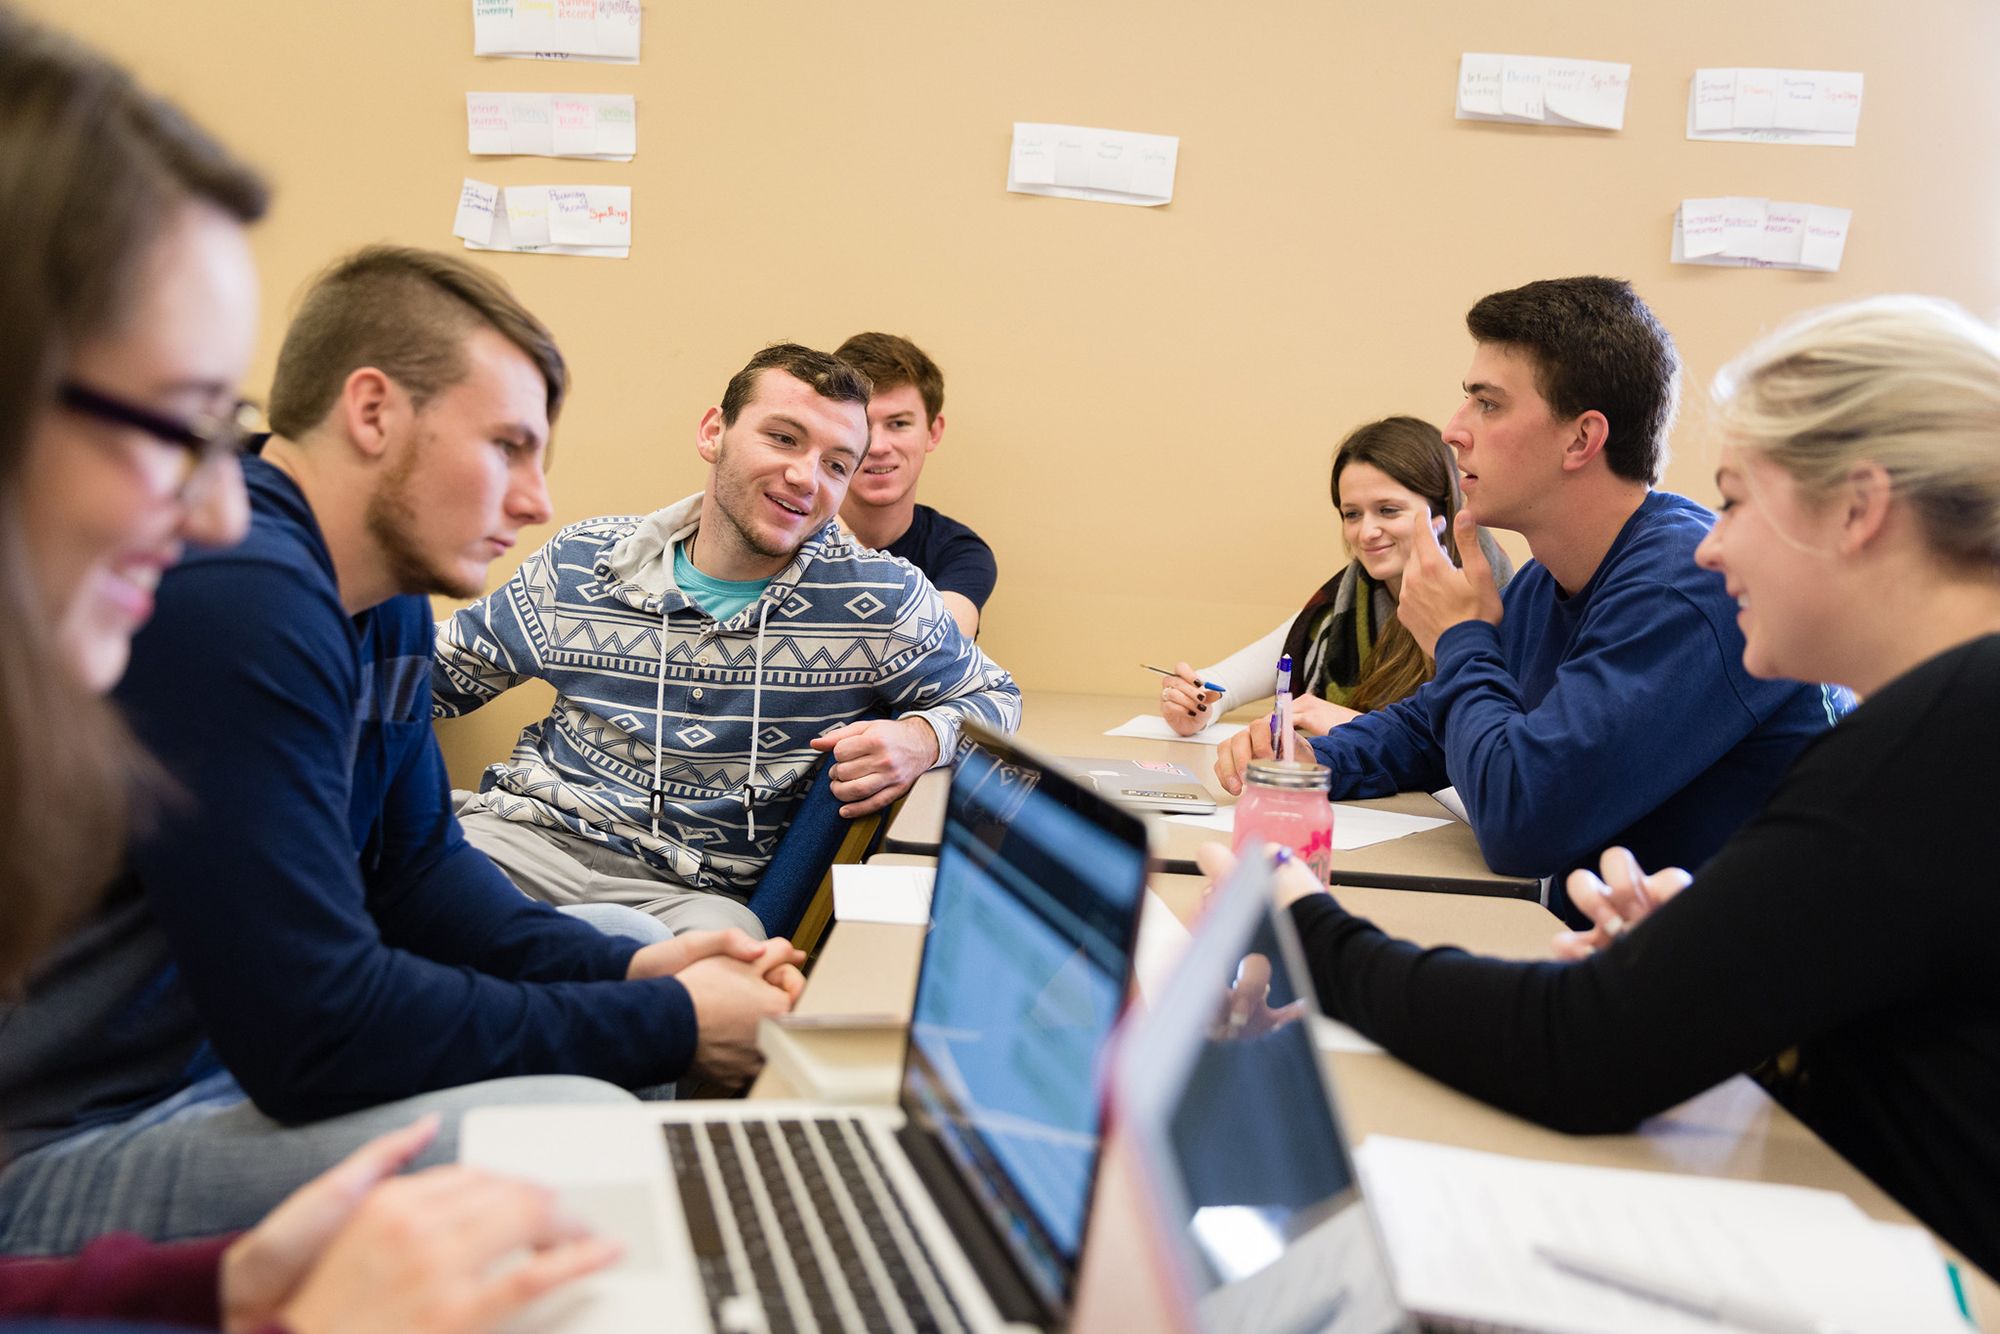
[(905, 423)]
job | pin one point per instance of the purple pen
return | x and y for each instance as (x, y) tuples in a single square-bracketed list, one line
[(1281, 711)]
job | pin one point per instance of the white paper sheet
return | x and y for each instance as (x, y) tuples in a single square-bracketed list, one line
[(605, 30), (1104, 166), (1353, 826), (590, 221), (1740, 232), (1162, 940), (896, 894), (1775, 106), (1448, 798), (601, 127), (1461, 1228), (1152, 727), (477, 203), (1542, 90)]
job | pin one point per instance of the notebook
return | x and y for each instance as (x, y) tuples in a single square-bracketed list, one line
[(965, 1206)]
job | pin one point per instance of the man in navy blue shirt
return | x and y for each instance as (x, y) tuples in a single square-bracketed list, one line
[(306, 951), (905, 423), (1601, 700)]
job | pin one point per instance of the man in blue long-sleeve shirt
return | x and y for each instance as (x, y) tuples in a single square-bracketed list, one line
[(1602, 699), (306, 951)]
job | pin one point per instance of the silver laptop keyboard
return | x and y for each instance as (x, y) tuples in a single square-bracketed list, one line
[(796, 1228)]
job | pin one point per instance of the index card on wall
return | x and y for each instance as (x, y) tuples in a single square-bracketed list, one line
[(1775, 106), (1742, 232), (599, 126), (1107, 166), (606, 30), (585, 220), (1542, 90)]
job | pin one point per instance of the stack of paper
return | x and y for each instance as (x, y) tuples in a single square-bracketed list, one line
[(1463, 1229), (606, 30), (1107, 166), (601, 126), (1152, 727), (1743, 232), (589, 220), (1542, 90), (1775, 106)]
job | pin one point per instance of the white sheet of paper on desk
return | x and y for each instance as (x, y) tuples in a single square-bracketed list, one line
[(606, 30), (1153, 727), (1461, 1228), (1741, 232), (1104, 166), (599, 126), (593, 221), (1542, 90), (1775, 106), (896, 894), (1163, 938), (1448, 798), (1353, 826)]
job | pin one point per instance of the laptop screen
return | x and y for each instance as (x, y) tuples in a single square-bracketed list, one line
[(1246, 1150), (1024, 974)]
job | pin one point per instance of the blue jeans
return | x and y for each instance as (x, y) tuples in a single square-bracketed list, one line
[(206, 1161)]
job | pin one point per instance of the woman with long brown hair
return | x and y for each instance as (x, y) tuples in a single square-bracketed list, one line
[(1349, 652), (130, 302)]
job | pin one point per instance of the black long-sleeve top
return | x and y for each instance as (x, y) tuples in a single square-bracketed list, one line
[(1845, 944)]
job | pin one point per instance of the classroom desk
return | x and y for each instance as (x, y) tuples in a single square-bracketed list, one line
[(1733, 1130), (1446, 859)]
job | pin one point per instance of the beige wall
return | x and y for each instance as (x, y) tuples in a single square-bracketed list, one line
[(1141, 402)]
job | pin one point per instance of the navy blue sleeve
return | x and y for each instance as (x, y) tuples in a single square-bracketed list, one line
[(245, 687), (1387, 751), (1642, 704), (959, 561)]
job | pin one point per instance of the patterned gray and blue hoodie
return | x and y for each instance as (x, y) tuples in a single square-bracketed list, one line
[(655, 696)]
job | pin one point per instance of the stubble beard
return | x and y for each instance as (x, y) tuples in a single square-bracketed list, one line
[(393, 521)]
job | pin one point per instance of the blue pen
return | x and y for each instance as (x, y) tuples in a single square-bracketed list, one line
[(1205, 685), (1281, 711)]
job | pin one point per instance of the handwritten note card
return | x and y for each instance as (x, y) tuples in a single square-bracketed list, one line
[(1107, 166), (1775, 106), (1743, 232), (600, 126), (1542, 90), (606, 30), (586, 220)]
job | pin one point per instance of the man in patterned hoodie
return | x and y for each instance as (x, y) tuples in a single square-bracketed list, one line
[(704, 657)]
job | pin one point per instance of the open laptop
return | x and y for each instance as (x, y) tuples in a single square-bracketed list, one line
[(962, 1208), (1146, 785), (1251, 1193)]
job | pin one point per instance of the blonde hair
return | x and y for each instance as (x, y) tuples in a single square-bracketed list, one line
[(1909, 383)]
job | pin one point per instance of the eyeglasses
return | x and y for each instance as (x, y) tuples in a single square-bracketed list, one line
[(197, 443)]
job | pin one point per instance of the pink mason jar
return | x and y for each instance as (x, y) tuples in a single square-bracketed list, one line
[(1284, 803)]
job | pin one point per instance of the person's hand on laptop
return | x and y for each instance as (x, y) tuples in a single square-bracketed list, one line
[(353, 1250), (1246, 1007), (875, 762), (730, 997), (1620, 899)]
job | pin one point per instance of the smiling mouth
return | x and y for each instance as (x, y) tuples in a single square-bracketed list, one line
[(878, 472), (788, 507)]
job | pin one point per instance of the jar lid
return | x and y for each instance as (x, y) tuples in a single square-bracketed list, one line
[(1290, 775)]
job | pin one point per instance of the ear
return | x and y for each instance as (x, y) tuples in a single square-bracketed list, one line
[(937, 432), (368, 407), (1584, 439), (708, 439), (1864, 501)]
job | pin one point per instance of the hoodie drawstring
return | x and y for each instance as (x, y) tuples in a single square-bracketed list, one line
[(756, 716), (660, 726)]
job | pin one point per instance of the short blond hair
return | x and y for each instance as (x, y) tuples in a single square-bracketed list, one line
[(1909, 383)]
